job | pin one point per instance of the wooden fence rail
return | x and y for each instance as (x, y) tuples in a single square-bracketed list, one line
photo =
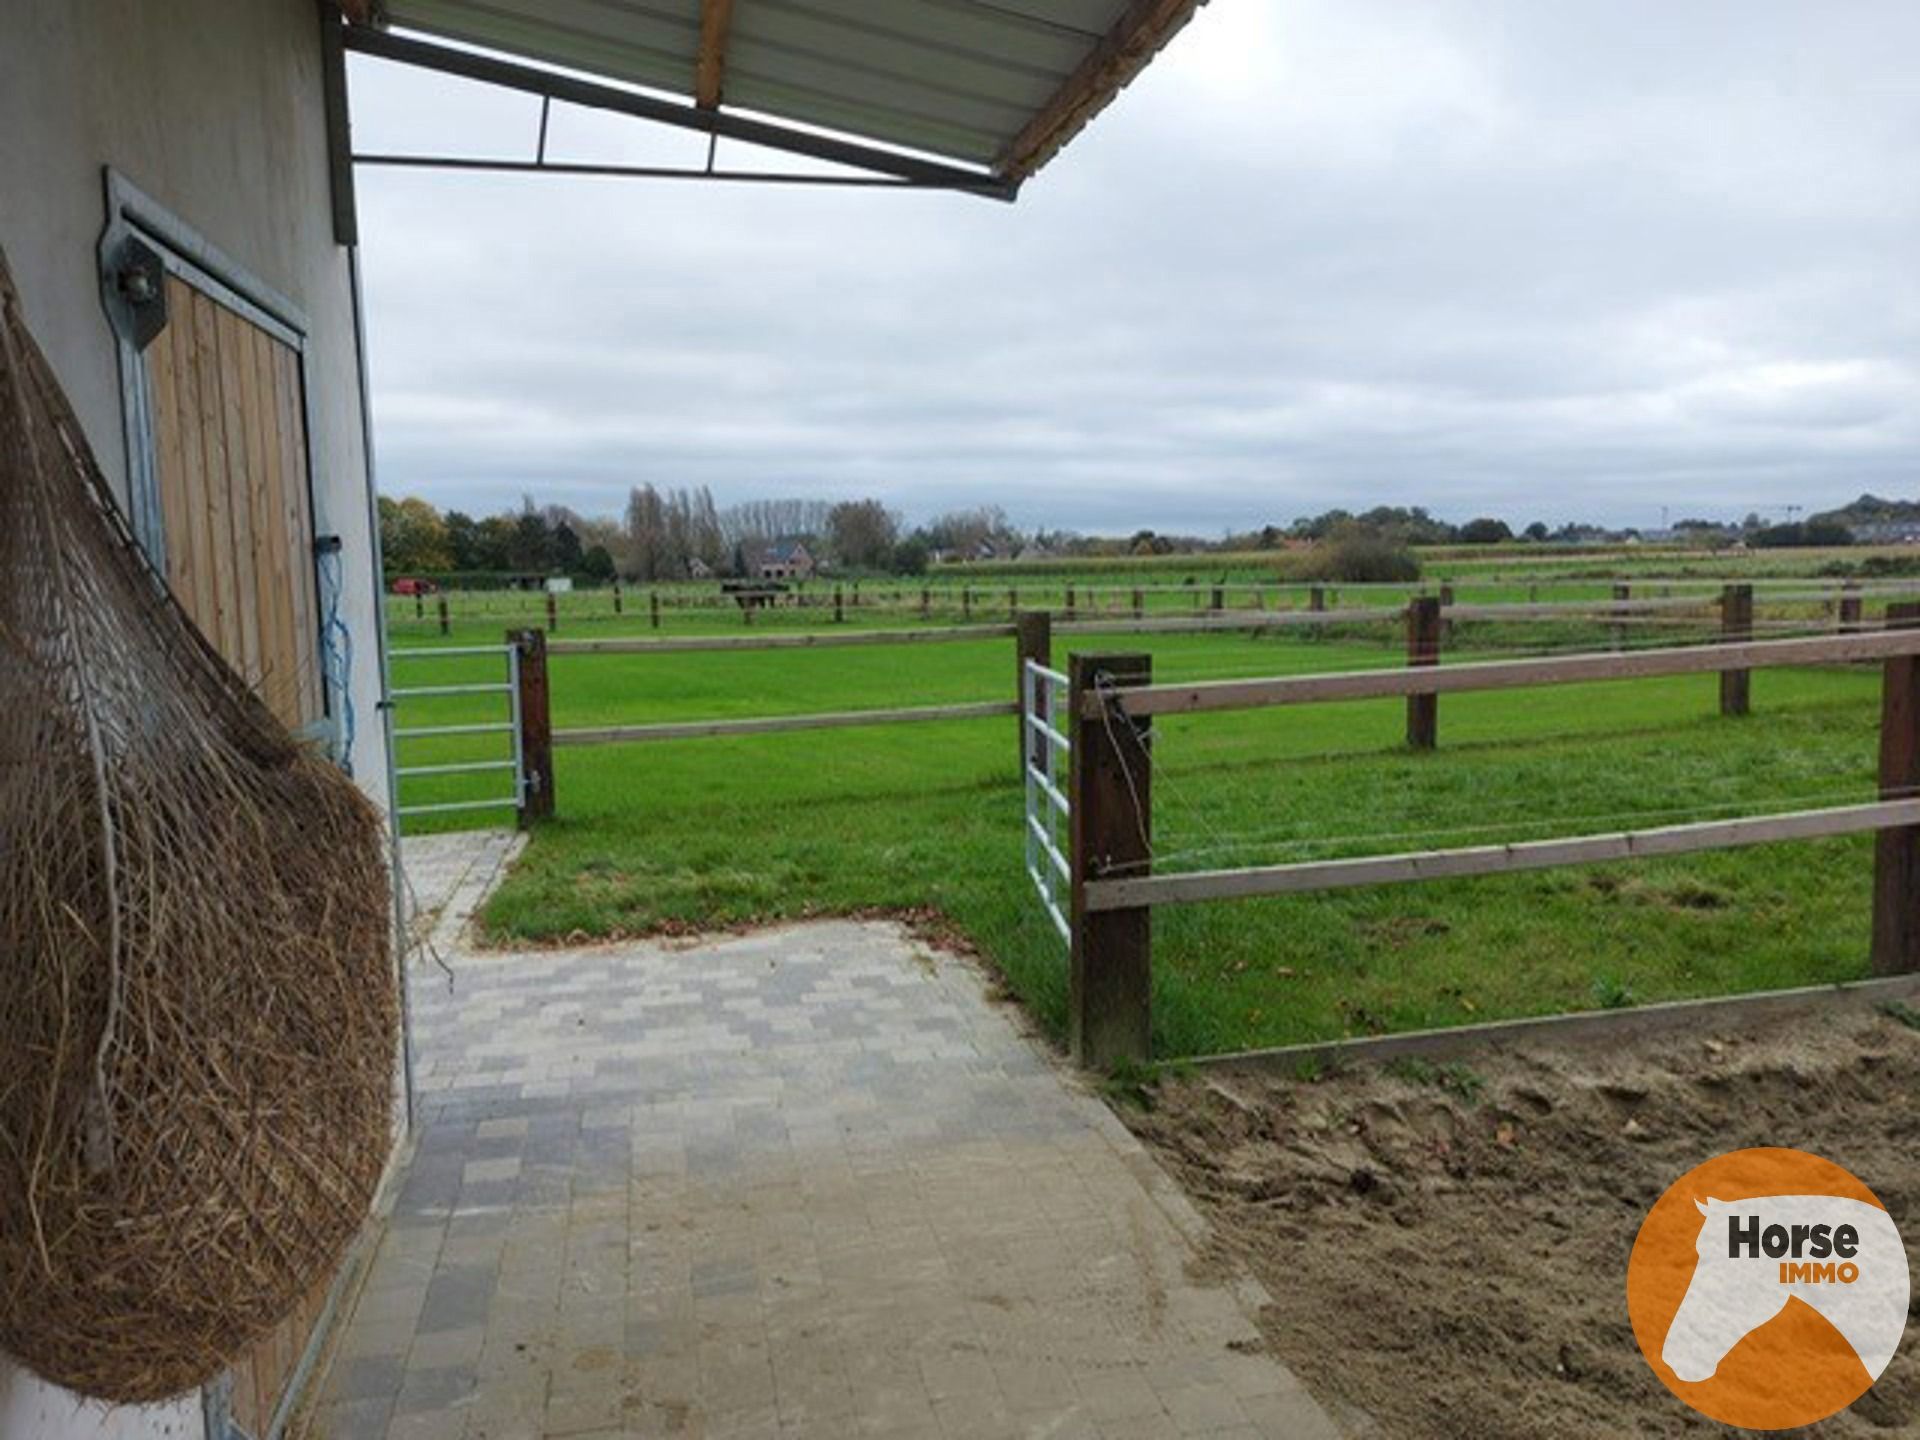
[(779, 724), (1112, 702), (1175, 699)]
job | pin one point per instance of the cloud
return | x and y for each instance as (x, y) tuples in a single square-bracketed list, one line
[(1541, 261)]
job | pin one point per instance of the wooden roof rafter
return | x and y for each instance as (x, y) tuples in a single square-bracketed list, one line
[(710, 69), (1136, 37)]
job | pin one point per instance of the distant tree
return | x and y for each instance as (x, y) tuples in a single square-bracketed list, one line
[(861, 534), (1812, 532), (1484, 531), (965, 531), (910, 556), (413, 537), (493, 545), (567, 551), (1536, 532), (463, 541), (597, 564), (1147, 542), (1356, 555), (647, 557), (531, 549)]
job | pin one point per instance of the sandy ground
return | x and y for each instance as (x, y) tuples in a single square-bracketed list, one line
[(1447, 1245)]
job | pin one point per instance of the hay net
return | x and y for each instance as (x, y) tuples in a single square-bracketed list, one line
[(198, 1008)]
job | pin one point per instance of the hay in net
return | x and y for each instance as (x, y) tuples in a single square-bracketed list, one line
[(198, 1010)]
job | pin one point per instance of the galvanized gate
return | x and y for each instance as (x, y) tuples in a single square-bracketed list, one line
[(1042, 698), (417, 697)]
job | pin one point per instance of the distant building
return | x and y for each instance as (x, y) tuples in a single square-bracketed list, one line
[(1886, 532), (698, 569), (784, 560)]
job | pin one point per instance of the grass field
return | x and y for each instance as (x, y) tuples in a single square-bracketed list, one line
[(1169, 585), (927, 817)]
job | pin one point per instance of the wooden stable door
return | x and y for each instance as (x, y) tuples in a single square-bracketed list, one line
[(230, 446)]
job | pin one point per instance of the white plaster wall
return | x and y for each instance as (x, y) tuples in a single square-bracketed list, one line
[(214, 109), (33, 1410)]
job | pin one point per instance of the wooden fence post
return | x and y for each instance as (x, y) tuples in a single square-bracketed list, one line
[(1139, 605), (839, 611), (926, 602), (553, 612), (1736, 624), (1070, 600), (419, 605), (536, 726), (1849, 607), (653, 608), (856, 594), (440, 603), (1446, 604), (966, 602), (1032, 640), (1423, 648), (616, 598), (1219, 598), (1316, 597), (1110, 979), (1896, 853), (1013, 602), (1621, 591)]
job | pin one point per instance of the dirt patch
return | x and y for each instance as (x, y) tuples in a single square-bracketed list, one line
[(1446, 1245)]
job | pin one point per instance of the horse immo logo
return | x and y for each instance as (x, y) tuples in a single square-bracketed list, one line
[(1722, 1259)]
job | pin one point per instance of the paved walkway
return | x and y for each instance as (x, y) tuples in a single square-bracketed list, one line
[(806, 1182)]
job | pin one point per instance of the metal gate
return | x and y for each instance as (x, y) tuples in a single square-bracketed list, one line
[(417, 696), (1042, 697)]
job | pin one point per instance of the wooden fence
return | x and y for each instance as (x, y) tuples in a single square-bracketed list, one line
[(840, 602), (1428, 620), (1112, 702)]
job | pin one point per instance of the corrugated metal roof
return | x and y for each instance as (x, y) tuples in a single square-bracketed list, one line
[(999, 84)]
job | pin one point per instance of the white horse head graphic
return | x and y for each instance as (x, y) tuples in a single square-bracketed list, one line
[(1843, 1257)]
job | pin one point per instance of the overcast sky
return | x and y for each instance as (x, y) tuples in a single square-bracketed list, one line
[(1545, 261)]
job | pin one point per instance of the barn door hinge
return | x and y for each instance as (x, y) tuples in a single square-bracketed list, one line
[(135, 290)]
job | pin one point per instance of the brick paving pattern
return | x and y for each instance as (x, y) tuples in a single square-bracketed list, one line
[(807, 1182)]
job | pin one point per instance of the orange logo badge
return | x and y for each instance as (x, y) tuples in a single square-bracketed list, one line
[(1768, 1288)]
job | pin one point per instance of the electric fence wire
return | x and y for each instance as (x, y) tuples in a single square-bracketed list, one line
[(1286, 841)]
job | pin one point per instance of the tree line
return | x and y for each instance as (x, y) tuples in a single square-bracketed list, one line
[(677, 534)]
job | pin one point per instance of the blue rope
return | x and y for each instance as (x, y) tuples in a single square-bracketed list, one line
[(336, 652)]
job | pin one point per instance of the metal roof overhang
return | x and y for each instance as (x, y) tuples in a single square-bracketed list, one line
[(972, 95)]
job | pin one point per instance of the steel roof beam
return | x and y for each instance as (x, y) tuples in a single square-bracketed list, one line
[(491, 70)]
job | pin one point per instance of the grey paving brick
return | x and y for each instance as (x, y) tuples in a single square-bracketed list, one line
[(804, 1182), (458, 1297)]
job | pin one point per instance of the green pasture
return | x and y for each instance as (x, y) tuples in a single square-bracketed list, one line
[(927, 817), (1170, 586)]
